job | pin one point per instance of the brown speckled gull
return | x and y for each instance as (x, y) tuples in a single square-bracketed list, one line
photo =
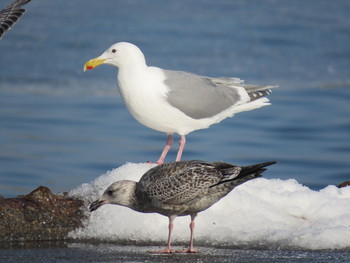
[(179, 189)]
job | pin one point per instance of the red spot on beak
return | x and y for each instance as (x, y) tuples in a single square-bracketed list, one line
[(89, 67)]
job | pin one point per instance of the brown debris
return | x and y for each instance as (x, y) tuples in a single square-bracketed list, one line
[(40, 215), (344, 184)]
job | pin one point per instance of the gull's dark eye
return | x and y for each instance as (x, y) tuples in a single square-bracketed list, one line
[(114, 50), (109, 192)]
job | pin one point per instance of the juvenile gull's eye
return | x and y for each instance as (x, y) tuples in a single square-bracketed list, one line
[(114, 50)]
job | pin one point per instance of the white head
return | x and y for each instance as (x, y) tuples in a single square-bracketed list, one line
[(122, 54), (118, 193)]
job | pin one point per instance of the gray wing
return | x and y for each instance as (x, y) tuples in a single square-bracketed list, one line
[(10, 15), (179, 182), (201, 97)]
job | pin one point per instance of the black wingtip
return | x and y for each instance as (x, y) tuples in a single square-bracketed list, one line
[(261, 165), (268, 163), (256, 169)]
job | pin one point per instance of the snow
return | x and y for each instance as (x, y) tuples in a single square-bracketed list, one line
[(274, 212)]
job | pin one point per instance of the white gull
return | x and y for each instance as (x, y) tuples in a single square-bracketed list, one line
[(176, 101), (179, 189)]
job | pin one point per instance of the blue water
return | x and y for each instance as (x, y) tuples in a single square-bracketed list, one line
[(61, 127)]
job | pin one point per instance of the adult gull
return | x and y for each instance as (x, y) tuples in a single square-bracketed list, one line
[(179, 189), (10, 15), (176, 101)]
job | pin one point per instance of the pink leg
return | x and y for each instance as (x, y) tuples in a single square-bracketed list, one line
[(169, 142), (168, 247), (191, 248), (181, 147)]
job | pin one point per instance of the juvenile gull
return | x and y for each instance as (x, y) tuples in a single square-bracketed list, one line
[(176, 101), (10, 15), (179, 189)]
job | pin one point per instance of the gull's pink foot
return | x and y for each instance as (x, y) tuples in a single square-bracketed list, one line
[(164, 251), (189, 250)]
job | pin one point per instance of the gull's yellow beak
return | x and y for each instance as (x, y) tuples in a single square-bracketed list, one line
[(93, 63)]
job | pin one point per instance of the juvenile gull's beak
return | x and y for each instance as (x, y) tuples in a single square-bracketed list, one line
[(97, 204), (93, 63)]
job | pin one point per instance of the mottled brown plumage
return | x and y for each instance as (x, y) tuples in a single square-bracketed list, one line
[(179, 189)]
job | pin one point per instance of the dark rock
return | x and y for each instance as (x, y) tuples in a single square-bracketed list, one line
[(40, 215), (344, 184)]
